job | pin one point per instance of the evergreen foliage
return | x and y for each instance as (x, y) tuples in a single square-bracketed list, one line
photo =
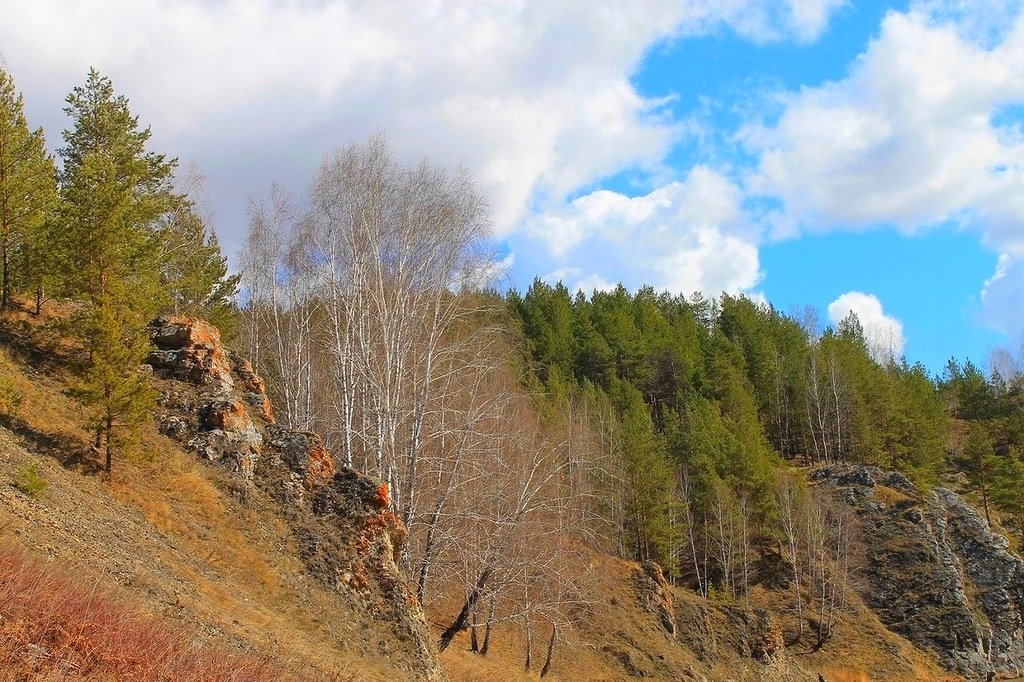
[(193, 270), (713, 396), (990, 446), (114, 193), (27, 198)]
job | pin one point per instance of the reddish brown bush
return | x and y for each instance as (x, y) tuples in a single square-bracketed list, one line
[(55, 627)]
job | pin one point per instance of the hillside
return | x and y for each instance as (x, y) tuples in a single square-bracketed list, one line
[(179, 539), (227, 551)]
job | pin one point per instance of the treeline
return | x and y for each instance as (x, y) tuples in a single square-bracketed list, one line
[(706, 402), (109, 229)]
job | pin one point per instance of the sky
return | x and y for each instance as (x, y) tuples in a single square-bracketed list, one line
[(848, 155)]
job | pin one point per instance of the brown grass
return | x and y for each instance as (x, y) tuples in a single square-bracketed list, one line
[(52, 625), (176, 496)]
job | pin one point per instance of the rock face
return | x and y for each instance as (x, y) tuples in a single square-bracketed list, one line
[(937, 574), (213, 402), (656, 596)]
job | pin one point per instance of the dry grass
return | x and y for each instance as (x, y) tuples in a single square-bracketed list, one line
[(890, 496), (214, 562), (54, 626), (176, 496)]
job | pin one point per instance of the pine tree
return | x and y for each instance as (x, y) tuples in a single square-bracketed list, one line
[(981, 462), (27, 195), (114, 193), (649, 478), (193, 270), (1008, 489)]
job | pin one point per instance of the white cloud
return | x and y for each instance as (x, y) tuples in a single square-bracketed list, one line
[(906, 139), (686, 236), (765, 20), (534, 97), (912, 137), (592, 283), (1002, 297), (883, 333), (574, 281)]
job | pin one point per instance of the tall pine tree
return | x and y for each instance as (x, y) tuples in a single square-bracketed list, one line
[(27, 195), (114, 194)]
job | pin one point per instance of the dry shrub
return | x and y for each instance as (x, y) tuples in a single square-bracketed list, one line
[(54, 626)]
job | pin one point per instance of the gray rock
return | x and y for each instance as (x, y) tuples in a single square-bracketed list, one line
[(936, 573)]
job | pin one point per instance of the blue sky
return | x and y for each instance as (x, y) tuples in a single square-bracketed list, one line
[(929, 282), (846, 154), (926, 273)]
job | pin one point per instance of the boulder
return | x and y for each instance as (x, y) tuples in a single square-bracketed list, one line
[(172, 333), (238, 451)]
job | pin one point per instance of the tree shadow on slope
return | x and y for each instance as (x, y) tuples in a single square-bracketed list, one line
[(64, 448), (41, 345)]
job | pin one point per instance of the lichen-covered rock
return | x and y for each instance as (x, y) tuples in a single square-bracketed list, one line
[(303, 453), (213, 401), (352, 542), (209, 397), (238, 451), (936, 573), (174, 332), (227, 415), (190, 350), (997, 577), (252, 388), (201, 366)]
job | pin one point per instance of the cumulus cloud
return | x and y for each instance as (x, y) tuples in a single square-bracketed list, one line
[(907, 139), (687, 236), (883, 333), (913, 137), (772, 20), (534, 97)]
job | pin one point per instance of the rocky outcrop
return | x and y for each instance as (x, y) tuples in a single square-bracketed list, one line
[(656, 596), (191, 351), (205, 401), (304, 456), (213, 402), (936, 573)]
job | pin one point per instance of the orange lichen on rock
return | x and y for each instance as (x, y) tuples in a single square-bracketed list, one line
[(251, 382), (383, 497), (320, 467), (228, 415), (184, 332)]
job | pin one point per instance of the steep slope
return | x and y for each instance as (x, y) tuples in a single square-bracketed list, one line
[(268, 549), (255, 564), (936, 573), (625, 635)]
